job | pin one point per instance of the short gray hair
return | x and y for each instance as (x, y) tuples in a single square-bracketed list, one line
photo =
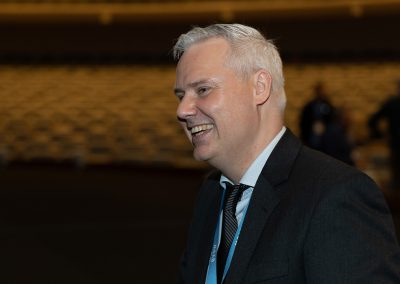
[(250, 51)]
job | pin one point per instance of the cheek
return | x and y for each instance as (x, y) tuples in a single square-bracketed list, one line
[(239, 108), (242, 118)]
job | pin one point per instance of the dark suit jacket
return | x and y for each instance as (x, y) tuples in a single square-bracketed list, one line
[(311, 219)]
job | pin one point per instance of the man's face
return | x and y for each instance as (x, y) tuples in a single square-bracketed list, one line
[(216, 109)]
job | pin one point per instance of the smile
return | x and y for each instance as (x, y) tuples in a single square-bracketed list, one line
[(200, 128)]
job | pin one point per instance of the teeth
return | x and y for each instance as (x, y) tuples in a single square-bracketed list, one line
[(200, 128)]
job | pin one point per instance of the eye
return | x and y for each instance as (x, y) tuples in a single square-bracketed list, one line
[(203, 90), (180, 95)]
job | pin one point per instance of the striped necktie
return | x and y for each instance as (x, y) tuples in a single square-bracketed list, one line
[(229, 224)]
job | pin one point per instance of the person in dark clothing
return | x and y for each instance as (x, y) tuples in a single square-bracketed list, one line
[(272, 210), (389, 111), (315, 117), (334, 140)]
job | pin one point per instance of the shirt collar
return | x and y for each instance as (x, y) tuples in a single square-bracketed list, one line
[(253, 172)]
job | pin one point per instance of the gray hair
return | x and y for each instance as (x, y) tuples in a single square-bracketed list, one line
[(250, 51)]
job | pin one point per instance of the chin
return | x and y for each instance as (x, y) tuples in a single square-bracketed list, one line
[(201, 155), (198, 157)]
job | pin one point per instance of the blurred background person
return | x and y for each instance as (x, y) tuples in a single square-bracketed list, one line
[(324, 127), (335, 138), (389, 112), (314, 118)]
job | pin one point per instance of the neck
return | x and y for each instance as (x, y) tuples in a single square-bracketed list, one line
[(235, 169)]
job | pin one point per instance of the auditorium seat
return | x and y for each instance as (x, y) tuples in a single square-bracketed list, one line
[(102, 114)]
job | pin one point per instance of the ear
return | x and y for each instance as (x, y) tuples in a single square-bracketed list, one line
[(262, 83)]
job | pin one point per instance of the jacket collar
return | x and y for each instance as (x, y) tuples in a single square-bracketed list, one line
[(280, 163), (263, 201)]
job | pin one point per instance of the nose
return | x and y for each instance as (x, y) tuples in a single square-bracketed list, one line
[(186, 107)]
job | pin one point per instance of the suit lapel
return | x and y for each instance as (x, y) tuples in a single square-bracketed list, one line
[(208, 229), (263, 201)]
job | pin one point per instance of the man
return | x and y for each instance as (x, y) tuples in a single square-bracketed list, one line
[(303, 217), (315, 117), (390, 111), (323, 127)]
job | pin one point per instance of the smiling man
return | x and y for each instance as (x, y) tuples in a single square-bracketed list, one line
[(274, 211)]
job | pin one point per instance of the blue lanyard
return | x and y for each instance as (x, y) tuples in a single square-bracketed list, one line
[(212, 265)]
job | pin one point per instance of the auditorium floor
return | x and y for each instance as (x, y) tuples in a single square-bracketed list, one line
[(101, 225)]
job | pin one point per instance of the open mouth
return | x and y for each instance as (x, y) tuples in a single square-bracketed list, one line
[(199, 129)]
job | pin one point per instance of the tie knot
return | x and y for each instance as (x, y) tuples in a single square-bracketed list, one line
[(236, 188), (233, 194)]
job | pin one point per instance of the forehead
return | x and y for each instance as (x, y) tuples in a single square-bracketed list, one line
[(204, 56), (210, 46)]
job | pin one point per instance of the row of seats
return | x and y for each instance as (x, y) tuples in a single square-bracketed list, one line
[(97, 114), (94, 114)]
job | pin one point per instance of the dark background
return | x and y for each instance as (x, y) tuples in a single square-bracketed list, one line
[(98, 225)]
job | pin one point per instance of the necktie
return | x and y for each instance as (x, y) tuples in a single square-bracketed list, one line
[(229, 224)]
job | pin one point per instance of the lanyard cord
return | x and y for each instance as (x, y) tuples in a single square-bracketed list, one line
[(212, 266)]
